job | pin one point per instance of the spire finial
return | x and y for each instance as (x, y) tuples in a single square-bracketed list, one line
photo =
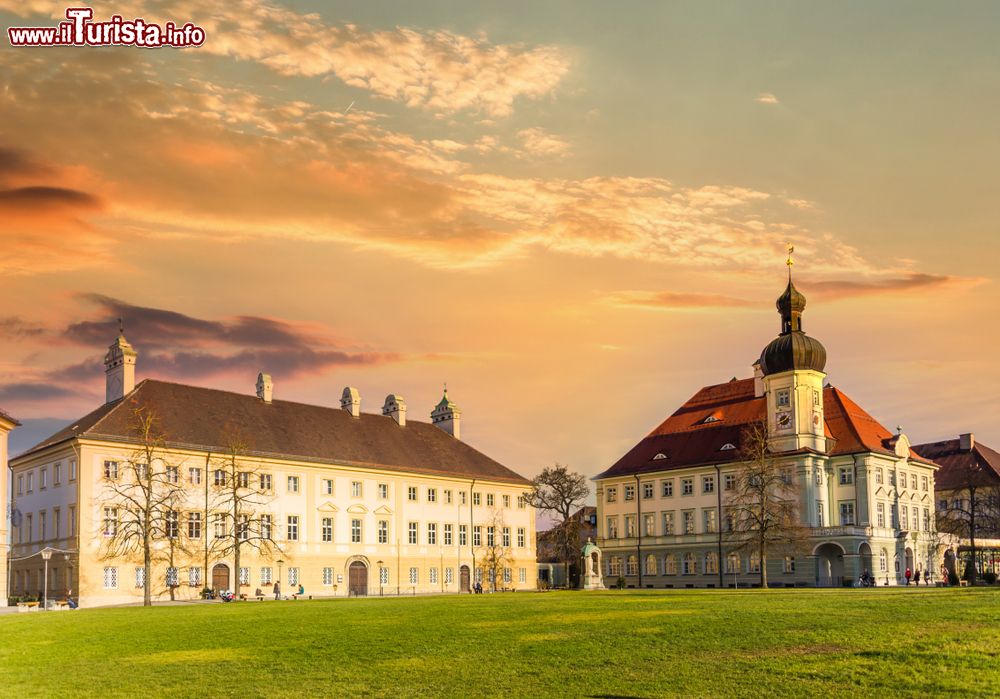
[(121, 326), (446, 388), (789, 261)]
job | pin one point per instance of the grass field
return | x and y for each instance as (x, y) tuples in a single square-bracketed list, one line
[(825, 643)]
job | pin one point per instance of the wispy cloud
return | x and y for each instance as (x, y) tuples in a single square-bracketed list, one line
[(538, 141), (766, 98), (909, 283), (673, 300)]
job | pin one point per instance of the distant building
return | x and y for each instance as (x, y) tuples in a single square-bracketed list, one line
[(968, 485), (551, 570), (865, 496), (7, 423), (360, 503)]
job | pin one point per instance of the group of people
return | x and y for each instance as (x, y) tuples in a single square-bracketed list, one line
[(868, 580), (915, 575), (277, 590)]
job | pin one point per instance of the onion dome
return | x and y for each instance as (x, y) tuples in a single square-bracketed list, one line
[(792, 349)]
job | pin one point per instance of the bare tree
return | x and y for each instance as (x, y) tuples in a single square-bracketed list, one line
[(561, 492), (495, 553), (140, 497), (242, 490), (762, 508), (971, 508)]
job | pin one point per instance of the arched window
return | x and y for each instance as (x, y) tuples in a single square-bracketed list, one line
[(632, 565), (690, 564), (733, 563), (883, 560), (651, 565), (711, 563), (670, 564)]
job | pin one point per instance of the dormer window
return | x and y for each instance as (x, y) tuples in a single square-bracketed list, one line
[(710, 419), (727, 446), (659, 456)]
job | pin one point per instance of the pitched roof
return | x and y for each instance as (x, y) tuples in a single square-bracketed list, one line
[(708, 428), (193, 417), (958, 464)]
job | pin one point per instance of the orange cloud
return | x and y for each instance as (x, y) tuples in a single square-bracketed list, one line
[(914, 282), (672, 300)]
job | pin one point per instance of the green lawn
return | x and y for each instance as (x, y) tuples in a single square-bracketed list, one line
[(821, 643)]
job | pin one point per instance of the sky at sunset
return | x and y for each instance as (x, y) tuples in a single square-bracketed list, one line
[(574, 213)]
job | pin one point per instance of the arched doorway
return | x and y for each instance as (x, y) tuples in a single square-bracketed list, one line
[(908, 555), (463, 575), (829, 565), (357, 578), (949, 562), (220, 577), (865, 551)]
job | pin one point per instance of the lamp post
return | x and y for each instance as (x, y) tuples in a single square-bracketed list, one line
[(46, 555), (380, 578), (280, 562)]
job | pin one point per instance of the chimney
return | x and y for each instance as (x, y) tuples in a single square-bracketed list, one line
[(350, 400), (446, 415), (264, 387), (119, 368), (966, 441), (758, 380), (395, 407)]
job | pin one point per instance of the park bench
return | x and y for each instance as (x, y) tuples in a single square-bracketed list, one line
[(27, 606)]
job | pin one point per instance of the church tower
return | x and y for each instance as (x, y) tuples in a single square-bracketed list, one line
[(447, 416), (119, 368), (792, 365)]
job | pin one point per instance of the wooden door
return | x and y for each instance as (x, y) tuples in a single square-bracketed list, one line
[(220, 577), (464, 577), (358, 579)]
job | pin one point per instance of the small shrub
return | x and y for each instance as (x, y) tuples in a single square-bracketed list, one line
[(620, 583)]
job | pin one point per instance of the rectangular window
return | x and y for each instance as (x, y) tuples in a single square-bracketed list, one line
[(411, 493), (520, 537), (194, 475), (846, 514), (819, 513), (447, 497), (667, 488), (293, 528), (647, 491), (265, 527), (490, 499), (708, 516), (328, 576), (629, 526), (72, 520), (194, 576), (383, 531), (789, 564), (630, 492), (729, 481), (30, 528), (110, 578), (355, 531), (461, 497), (432, 534), (265, 575), (219, 525), (383, 491), (923, 483), (522, 575), (927, 519), (326, 529), (892, 478), (689, 521), (506, 501), (449, 576), (56, 523), (904, 516), (432, 495), (173, 474), (72, 469), (913, 481), (463, 535), (140, 577), (355, 489), (708, 484), (477, 536), (902, 480), (506, 576), (411, 533), (649, 525), (491, 536), (172, 524), (57, 475), (383, 576), (612, 527), (447, 535), (110, 521), (293, 484), (505, 537), (878, 476), (687, 486), (612, 494), (893, 516), (20, 485), (846, 475), (915, 518), (110, 472), (244, 575), (433, 576), (266, 483), (668, 523), (880, 514), (414, 576), (326, 486), (293, 576), (521, 503), (42, 533), (477, 499), (783, 398), (219, 477)]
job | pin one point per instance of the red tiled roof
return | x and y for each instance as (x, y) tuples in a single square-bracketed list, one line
[(686, 439), (958, 465), (197, 418)]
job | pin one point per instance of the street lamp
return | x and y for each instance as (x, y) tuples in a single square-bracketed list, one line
[(380, 578), (46, 555), (280, 563)]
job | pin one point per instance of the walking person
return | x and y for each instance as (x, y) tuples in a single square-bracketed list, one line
[(277, 590), (916, 577), (908, 574)]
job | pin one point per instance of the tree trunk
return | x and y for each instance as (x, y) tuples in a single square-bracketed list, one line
[(763, 565)]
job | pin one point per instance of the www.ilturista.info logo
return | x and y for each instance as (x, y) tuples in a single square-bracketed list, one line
[(81, 30)]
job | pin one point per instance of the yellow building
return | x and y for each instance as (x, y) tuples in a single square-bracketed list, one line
[(348, 502)]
